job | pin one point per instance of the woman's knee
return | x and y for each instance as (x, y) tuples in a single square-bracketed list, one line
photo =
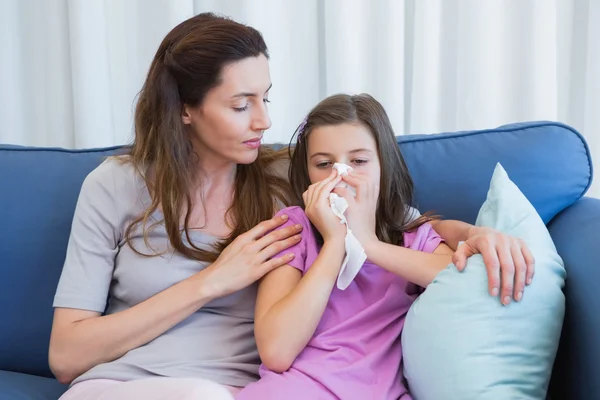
[(207, 390), (166, 389)]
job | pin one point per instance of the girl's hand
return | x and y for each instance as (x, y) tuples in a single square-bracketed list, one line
[(318, 209), (361, 209)]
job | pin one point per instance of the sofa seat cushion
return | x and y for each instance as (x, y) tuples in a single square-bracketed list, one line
[(16, 386)]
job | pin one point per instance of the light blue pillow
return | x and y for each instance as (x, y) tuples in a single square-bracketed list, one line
[(459, 343)]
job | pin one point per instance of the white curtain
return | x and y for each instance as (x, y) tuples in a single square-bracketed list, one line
[(70, 69)]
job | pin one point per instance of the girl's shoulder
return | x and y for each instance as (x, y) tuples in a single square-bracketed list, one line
[(423, 238), (296, 215)]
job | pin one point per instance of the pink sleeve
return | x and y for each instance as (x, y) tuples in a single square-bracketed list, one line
[(424, 238), (296, 216)]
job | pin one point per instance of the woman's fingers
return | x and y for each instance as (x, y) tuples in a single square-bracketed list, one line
[(277, 247), (275, 236), (273, 263), (264, 227)]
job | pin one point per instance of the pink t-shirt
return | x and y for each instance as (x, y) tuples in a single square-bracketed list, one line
[(355, 352)]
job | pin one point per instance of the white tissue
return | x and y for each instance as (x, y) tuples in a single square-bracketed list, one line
[(344, 169), (355, 254)]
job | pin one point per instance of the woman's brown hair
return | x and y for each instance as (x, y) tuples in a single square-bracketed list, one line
[(187, 64), (396, 185)]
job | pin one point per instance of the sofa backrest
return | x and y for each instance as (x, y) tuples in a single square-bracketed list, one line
[(39, 188), (548, 161), (38, 192)]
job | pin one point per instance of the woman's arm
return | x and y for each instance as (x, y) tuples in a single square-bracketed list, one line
[(415, 266), (453, 232), (509, 263), (289, 307), (82, 339)]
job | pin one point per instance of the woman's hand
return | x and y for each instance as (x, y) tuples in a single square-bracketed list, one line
[(248, 257), (361, 209), (504, 256), (318, 208)]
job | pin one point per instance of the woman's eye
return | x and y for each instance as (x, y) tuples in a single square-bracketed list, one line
[(323, 164), (359, 162), (240, 109)]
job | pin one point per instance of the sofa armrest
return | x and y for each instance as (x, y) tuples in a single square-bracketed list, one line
[(576, 233)]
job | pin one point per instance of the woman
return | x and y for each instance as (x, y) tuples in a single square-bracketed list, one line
[(157, 294)]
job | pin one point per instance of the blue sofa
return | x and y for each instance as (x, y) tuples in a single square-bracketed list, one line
[(549, 161)]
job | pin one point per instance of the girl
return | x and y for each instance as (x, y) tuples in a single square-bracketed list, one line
[(315, 340)]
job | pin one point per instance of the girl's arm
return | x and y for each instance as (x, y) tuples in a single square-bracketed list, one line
[(415, 266), (289, 306), (504, 256)]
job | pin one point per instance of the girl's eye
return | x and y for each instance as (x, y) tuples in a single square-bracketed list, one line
[(323, 164), (360, 162), (266, 101)]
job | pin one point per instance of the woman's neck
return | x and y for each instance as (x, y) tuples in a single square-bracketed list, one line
[(215, 175), (212, 196)]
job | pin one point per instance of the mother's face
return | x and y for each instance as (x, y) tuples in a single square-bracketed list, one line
[(228, 126)]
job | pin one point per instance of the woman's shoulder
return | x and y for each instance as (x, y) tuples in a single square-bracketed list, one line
[(114, 174), (112, 169), (117, 180)]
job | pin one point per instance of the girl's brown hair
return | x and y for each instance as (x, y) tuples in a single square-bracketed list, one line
[(188, 64), (396, 186)]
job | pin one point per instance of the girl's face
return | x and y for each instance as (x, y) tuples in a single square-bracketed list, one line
[(350, 144)]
